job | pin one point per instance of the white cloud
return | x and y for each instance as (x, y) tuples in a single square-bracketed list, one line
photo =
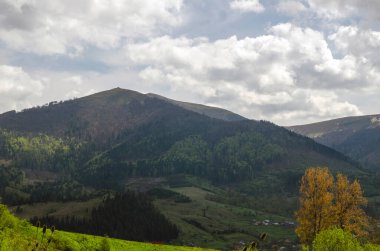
[(318, 105), (17, 88), (291, 7), (288, 75), (68, 27), (361, 47), (247, 6), (357, 41)]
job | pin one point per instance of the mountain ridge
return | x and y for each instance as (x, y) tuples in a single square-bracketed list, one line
[(210, 111)]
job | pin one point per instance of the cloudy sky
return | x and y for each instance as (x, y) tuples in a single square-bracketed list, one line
[(287, 61)]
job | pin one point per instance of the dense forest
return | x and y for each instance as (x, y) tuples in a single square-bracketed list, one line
[(128, 216), (234, 158)]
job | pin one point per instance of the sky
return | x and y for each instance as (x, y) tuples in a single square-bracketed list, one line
[(286, 61)]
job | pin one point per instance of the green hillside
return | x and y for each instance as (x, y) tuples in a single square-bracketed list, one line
[(16, 234)]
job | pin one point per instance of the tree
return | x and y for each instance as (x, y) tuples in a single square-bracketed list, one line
[(316, 212), (348, 202), (325, 204)]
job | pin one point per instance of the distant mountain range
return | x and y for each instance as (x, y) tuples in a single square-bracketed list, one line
[(357, 137)]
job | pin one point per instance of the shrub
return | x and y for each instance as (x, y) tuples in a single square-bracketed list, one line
[(7, 220), (336, 239)]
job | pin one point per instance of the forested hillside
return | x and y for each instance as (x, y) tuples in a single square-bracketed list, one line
[(220, 152)]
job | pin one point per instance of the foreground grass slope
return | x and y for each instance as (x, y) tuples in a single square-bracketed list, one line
[(16, 234)]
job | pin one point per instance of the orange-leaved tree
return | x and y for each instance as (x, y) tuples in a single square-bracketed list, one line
[(349, 200), (324, 204), (316, 210)]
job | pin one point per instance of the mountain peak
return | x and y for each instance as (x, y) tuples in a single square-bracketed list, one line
[(115, 91)]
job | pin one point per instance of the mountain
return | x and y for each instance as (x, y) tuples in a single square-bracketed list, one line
[(147, 135), (357, 137)]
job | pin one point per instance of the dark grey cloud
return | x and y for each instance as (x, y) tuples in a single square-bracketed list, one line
[(24, 17)]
